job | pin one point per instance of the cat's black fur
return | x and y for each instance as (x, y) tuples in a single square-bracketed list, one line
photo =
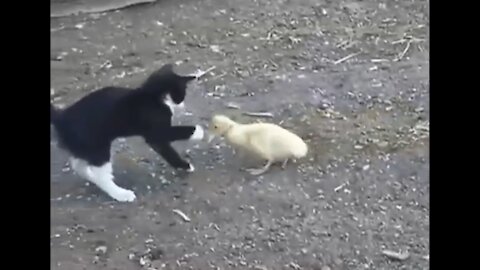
[(87, 128)]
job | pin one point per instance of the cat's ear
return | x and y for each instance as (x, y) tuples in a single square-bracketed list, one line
[(166, 69)]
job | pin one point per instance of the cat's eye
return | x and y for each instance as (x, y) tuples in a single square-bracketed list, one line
[(215, 127)]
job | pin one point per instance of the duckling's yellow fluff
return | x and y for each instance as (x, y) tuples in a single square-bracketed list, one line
[(266, 140)]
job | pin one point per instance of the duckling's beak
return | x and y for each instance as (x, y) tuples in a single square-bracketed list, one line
[(210, 137)]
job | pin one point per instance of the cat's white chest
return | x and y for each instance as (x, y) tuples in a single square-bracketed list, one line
[(174, 108)]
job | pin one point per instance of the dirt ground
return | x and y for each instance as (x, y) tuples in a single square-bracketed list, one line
[(351, 77)]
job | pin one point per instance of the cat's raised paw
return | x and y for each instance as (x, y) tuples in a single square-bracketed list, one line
[(198, 134), (124, 195)]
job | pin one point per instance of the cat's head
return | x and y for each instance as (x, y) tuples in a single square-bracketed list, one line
[(168, 84)]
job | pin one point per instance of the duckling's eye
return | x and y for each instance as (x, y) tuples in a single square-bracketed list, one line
[(215, 127)]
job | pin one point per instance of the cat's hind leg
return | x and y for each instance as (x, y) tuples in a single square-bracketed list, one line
[(102, 177)]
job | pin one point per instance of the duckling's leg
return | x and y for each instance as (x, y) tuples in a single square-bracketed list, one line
[(262, 170), (284, 164)]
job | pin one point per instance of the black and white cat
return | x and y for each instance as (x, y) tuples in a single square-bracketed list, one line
[(87, 128)]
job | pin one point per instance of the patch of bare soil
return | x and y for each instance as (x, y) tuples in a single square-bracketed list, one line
[(351, 77)]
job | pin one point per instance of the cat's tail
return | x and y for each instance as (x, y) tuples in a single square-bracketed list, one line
[(54, 114)]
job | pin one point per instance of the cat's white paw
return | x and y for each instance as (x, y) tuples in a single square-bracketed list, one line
[(198, 134), (123, 195), (191, 168), (181, 106)]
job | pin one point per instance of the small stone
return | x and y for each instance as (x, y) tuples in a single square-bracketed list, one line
[(326, 267), (96, 259), (419, 109), (215, 48), (158, 265), (324, 106), (79, 25), (243, 73), (143, 261), (294, 266), (149, 241), (382, 144), (101, 250)]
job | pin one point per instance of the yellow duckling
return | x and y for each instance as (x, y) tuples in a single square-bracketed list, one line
[(266, 140)]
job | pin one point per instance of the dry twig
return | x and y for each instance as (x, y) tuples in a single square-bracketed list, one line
[(340, 187), (231, 105), (396, 255), (345, 58), (259, 114), (200, 73), (404, 51), (182, 215)]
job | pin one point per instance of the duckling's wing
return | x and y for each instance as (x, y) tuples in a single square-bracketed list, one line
[(257, 145), (260, 141), (276, 142)]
